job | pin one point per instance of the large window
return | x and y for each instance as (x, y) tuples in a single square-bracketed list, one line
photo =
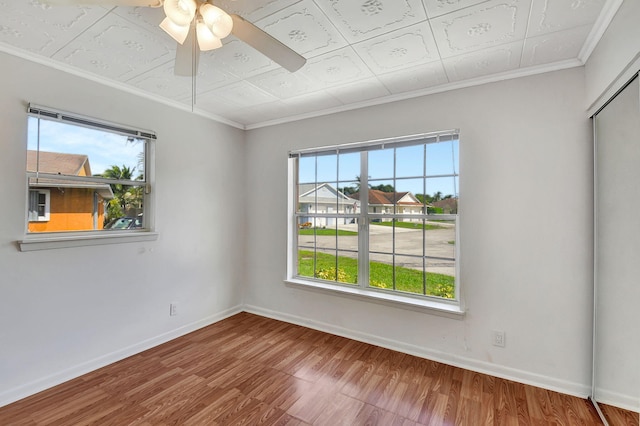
[(84, 174), (379, 216)]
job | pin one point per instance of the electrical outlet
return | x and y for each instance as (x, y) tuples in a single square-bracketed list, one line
[(498, 338), (173, 309)]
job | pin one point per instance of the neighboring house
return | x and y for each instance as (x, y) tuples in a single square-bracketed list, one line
[(64, 205), (448, 205), (383, 203), (324, 198)]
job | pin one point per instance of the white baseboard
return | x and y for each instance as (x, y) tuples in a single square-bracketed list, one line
[(619, 400), (521, 376), (47, 382)]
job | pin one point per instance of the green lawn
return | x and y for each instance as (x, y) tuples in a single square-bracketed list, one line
[(323, 231), (381, 274), (410, 225)]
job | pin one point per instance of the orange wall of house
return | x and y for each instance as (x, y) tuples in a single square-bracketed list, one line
[(70, 211)]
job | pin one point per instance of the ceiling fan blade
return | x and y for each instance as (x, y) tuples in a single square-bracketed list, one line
[(142, 3), (266, 44), (187, 56)]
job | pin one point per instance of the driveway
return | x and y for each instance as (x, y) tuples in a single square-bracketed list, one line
[(439, 249)]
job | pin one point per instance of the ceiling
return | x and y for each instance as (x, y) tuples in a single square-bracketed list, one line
[(359, 52)]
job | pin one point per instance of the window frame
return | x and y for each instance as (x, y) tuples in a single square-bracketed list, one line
[(448, 307), (47, 206), (79, 238)]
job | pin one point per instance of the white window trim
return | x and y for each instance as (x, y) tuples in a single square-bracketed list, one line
[(443, 307), (55, 240)]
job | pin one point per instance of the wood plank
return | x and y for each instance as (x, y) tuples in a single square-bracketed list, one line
[(252, 370)]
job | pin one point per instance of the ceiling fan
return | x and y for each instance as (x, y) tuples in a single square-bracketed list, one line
[(199, 25)]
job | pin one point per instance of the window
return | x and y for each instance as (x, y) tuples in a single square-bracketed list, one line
[(39, 205), (397, 237), (86, 175)]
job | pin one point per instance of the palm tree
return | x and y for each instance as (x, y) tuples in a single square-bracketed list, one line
[(125, 198)]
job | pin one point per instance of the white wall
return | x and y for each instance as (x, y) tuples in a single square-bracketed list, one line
[(617, 49), (526, 229), (66, 311)]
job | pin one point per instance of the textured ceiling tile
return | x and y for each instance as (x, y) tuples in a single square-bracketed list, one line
[(283, 84), (554, 47), (41, 28), (313, 102), (304, 28), (239, 59), (335, 68), (359, 91), (488, 24), (402, 48), (253, 10), (118, 49), (236, 95), (147, 17), (359, 20), (164, 82), (415, 78), (489, 61), (552, 15), (441, 7)]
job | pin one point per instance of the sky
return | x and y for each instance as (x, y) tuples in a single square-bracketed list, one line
[(104, 149), (442, 158)]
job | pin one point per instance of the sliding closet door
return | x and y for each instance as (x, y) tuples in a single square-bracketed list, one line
[(617, 252)]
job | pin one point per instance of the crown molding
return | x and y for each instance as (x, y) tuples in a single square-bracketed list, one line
[(607, 14)]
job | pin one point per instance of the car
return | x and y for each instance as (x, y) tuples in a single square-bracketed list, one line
[(125, 223)]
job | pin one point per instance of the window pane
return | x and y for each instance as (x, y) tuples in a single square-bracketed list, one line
[(380, 164), (440, 189), (349, 167), (327, 168), (440, 252), (307, 170), (89, 152), (442, 158), (409, 274), (381, 271), (410, 161), (407, 202)]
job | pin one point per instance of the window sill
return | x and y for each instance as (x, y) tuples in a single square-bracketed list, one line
[(451, 310), (48, 242)]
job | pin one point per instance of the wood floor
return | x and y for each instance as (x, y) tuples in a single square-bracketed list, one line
[(250, 370)]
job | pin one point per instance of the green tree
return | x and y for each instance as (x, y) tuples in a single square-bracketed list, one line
[(384, 188), (126, 198)]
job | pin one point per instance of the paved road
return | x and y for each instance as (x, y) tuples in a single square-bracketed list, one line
[(440, 253)]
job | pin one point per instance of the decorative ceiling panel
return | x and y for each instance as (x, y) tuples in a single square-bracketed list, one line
[(359, 20), (554, 47), (283, 84), (41, 28), (254, 10), (359, 91), (304, 28), (417, 78), (237, 95), (489, 61), (441, 7), (239, 59), (488, 24), (552, 15), (406, 47), (116, 48), (335, 68)]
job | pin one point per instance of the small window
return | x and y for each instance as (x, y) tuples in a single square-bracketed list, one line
[(39, 205), (85, 175), (380, 217)]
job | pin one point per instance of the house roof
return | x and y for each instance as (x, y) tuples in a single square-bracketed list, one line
[(447, 203), (58, 163), (63, 164), (380, 197)]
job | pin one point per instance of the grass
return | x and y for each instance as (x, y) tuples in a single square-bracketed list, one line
[(381, 274), (409, 225), (323, 231)]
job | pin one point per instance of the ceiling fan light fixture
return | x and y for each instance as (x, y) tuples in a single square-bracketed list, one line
[(218, 21), (181, 12), (206, 39), (177, 32)]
